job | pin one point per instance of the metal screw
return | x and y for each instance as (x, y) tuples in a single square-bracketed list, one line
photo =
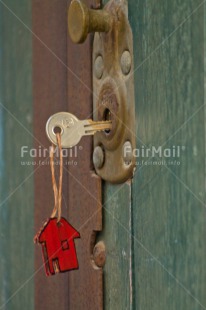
[(99, 67), (126, 62), (98, 157), (99, 254), (127, 152)]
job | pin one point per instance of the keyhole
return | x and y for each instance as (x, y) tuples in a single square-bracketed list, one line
[(107, 117)]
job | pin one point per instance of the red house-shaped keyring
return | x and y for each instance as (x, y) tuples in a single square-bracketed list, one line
[(58, 248)]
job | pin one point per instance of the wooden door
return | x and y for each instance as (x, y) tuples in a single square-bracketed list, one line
[(169, 201), (154, 228), (154, 225), (16, 171)]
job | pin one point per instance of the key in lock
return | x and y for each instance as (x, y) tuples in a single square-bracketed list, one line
[(72, 129)]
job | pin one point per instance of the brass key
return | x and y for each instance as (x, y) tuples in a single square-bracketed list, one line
[(72, 129)]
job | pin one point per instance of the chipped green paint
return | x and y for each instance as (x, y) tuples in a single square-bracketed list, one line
[(169, 201), (167, 233), (117, 237), (16, 181)]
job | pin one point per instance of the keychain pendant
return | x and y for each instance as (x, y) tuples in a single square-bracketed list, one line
[(58, 247)]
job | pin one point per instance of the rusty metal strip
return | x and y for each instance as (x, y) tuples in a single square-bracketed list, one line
[(114, 95), (50, 96), (84, 191)]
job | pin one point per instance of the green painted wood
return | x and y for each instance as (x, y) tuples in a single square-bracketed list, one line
[(117, 237), (16, 181), (167, 226), (168, 202)]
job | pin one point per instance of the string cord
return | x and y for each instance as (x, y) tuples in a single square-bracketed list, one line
[(57, 192)]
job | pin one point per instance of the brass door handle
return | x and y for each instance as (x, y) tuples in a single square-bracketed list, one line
[(82, 20)]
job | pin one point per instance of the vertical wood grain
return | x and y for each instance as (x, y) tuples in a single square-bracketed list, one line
[(50, 96), (169, 202), (118, 290), (16, 181), (84, 186)]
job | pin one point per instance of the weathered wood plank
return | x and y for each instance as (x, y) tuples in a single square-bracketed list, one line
[(16, 181), (169, 202), (117, 237), (50, 96), (84, 186)]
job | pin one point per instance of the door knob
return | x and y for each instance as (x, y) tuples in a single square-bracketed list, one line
[(82, 20)]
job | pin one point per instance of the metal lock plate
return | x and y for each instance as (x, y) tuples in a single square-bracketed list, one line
[(113, 96)]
